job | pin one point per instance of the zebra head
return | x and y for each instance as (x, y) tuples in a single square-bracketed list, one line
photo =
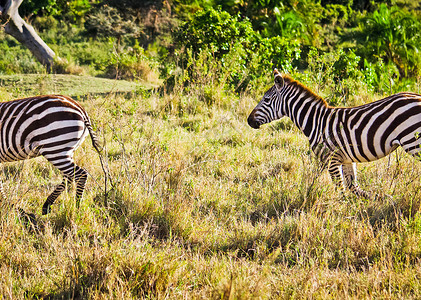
[(269, 108)]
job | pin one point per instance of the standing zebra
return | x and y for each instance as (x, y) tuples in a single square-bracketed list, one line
[(341, 137), (52, 126)]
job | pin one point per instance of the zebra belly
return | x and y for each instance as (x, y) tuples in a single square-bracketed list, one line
[(349, 153), (372, 158)]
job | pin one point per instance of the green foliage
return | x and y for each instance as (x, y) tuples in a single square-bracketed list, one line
[(107, 21), (242, 41), (50, 7), (132, 64), (393, 35), (278, 52), (342, 74), (296, 20), (335, 72), (357, 5), (241, 55), (89, 53), (216, 30), (73, 9), (124, 5), (290, 25), (381, 77), (16, 58)]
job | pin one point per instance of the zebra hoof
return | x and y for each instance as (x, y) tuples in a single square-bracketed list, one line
[(28, 219), (46, 209)]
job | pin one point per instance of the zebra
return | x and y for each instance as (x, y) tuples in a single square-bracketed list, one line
[(52, 126), (341, 137)]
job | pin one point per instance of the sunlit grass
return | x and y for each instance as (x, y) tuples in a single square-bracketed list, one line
[(200, 205)]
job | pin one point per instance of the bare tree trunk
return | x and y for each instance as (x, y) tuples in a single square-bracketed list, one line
[(25, 33)]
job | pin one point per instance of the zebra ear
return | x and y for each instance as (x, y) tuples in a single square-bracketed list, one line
[(279, 80)]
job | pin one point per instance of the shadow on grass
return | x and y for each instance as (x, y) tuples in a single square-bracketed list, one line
[(130, 220), (384, 210)]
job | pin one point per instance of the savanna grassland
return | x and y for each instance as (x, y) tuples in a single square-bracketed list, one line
[(189, 202), (199, 205)]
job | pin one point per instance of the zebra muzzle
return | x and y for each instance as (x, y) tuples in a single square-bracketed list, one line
[(252, 122)]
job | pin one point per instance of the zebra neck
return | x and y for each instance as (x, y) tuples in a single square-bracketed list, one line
[(308, 112)]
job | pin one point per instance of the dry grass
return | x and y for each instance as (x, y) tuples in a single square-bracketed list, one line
[(202, 206)]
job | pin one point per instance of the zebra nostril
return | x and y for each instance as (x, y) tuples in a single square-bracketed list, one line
[(252, 122)]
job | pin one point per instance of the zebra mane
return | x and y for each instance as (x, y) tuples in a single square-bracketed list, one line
[(288, 79)]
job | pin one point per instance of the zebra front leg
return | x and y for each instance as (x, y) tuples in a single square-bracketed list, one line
[(344, 175), (335, 171), (349, 173)]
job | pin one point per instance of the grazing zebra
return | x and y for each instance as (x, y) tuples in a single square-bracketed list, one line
[(52, 126), (341, 137)]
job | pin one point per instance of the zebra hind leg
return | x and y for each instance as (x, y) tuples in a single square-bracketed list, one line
[(81, 176), (46, 208), (71, 173)]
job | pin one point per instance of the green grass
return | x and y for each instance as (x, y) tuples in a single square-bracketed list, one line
[(203, 206), (22, 85)]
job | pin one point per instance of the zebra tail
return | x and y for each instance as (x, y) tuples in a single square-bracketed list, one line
[(95, 141), (98, 148)]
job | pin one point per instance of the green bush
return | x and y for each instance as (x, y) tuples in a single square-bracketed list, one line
[(131, 63), (217, 31), (380, 76), (17, 59), (107, 21), (71, 10), (240, 57), (393, 35)]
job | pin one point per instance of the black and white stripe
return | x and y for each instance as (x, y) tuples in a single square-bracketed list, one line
[(341, 137), (52, 126)]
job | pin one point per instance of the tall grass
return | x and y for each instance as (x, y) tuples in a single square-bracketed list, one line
[(199, 205)]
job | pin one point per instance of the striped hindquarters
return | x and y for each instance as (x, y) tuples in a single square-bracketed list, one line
[(53, 126)]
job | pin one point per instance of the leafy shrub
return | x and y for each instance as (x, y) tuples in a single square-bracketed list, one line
[(43, 23), (131, 63), (17, 59), (217, 31), (380, 76), (392, 35), (278, 52), (336, 72), (93, 55), (340, 75), (107, 21), (242, 56), (346, 66), (72, 9)]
